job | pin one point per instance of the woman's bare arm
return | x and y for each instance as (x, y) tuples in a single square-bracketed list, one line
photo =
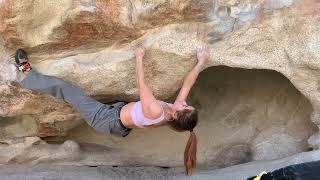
[(202, 56), (150, 106)]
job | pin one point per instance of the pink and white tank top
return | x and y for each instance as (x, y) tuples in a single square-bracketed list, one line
[(140, 120)]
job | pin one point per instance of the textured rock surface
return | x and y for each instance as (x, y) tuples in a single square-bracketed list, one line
[(90, 43), (242, 120), (27, 117)]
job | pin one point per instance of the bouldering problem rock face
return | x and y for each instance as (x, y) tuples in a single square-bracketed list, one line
[(244, 113), (49, 116), (33, 150)]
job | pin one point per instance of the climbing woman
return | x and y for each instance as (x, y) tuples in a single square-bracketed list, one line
[(121, 117)]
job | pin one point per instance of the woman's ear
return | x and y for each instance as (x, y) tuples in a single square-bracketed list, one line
[(174, 115)]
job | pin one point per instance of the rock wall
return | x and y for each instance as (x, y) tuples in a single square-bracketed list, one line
[(90, 43), (245, 115)]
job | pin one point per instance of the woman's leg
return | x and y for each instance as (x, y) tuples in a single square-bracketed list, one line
[(102, 117), (85, 105)]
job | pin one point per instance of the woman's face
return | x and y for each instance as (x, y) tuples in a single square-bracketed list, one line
[(181, 105)]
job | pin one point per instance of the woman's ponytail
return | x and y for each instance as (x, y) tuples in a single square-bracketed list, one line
[(187, 121), (190, 153)]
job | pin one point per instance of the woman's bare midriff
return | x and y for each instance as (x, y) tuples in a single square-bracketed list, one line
[(125, 115)]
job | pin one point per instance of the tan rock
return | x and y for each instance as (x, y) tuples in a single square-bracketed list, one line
[(33, 150), (37, 114)]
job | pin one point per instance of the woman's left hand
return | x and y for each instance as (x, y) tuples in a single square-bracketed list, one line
[(140, 52)]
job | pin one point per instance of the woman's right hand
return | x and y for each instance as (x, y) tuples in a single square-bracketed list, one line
[(140, 52), (203, 54)]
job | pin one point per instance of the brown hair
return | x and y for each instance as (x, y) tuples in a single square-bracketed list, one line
[(187, 121)]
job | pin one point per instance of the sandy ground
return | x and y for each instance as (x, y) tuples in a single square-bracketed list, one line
[(47, 172)]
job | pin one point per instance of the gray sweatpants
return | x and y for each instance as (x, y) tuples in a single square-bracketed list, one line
[(102, 117)]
